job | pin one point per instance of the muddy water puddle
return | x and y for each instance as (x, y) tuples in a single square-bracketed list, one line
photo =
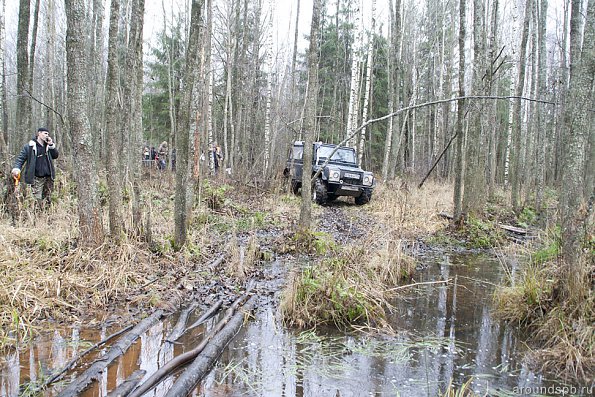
[(444, 332)]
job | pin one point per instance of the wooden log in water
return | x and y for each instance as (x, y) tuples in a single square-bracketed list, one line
[(101, 364), (185, 358), (208, 314), (179, 328), (128, 385), (58, 375), (203, 363)]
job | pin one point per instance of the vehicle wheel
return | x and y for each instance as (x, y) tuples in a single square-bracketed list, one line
[(364, 198), (319, 192), (295, 187)]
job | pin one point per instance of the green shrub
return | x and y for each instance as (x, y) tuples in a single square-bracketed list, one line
[(482, 234)]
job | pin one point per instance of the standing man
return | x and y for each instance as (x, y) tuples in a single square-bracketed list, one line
[(38, 157)]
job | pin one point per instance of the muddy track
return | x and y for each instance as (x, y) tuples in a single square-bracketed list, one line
[(345, 222)]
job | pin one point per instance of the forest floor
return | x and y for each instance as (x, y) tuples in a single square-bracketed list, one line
[(45, 278)]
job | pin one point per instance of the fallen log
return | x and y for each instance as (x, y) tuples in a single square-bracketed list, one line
[(216, 262), (128, 385), (420, 283), (178, 329), (57, 376), (184, 358), (201, 366), (96, 369), (513, 229), (208, 314)]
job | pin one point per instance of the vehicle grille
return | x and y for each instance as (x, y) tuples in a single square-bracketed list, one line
[(353, 181)]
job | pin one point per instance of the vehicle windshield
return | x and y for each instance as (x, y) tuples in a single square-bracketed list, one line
[(342, 154)]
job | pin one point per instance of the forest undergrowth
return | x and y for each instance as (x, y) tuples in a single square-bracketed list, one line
[(562, 330), (345, 280)]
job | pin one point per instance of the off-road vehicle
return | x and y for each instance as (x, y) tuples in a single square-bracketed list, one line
[(340, 175)]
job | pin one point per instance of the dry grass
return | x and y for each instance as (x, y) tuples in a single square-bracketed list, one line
[(351, 285), (562, 331), (45, 277), (412, 212)]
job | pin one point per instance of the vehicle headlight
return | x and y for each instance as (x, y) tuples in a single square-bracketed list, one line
[(368, 180), (334, 175)]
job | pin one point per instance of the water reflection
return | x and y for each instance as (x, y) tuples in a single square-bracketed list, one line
[(444, 332)]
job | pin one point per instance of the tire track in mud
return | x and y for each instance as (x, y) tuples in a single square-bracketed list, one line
[(344, 223)]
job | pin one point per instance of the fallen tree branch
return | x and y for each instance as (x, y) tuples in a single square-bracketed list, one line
[(422, 283), (421, 105), (178, 329), (206, 315), (200, 367), (128, 385), (216, 262), (58, 375), (97, 368), (189, 355)]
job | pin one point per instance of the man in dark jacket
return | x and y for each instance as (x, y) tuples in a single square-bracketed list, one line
[(38, 158)]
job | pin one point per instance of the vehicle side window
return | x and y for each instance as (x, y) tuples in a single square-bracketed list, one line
[(298, 152)]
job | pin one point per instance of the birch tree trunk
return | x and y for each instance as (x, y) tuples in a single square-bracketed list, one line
[(170, 84), (269, 96), (23, 114), (542, 141), (135, 62), (494, 129), (393, 81), (369, 66), (353, 112), (85, 169), (112, 133), (578, 121), (517, 110), (3, 114), (310, 119), (50, 68), (513, 76), (183, 196), (457, 195)]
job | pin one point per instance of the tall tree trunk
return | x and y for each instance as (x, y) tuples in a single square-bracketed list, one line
[(135, 62), (352, 115), (33, 49), (513, 84), (112, 133), (489, 90), (50, 68), (518, 119), (393, 81), (473, 197), (457, 195), (295, 48), (3, 114), (578, 121), (310, 119), (368, 89), (269, 96), (170, 77), (23, 114), (85, 169), (183, 196), (542, 141)]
